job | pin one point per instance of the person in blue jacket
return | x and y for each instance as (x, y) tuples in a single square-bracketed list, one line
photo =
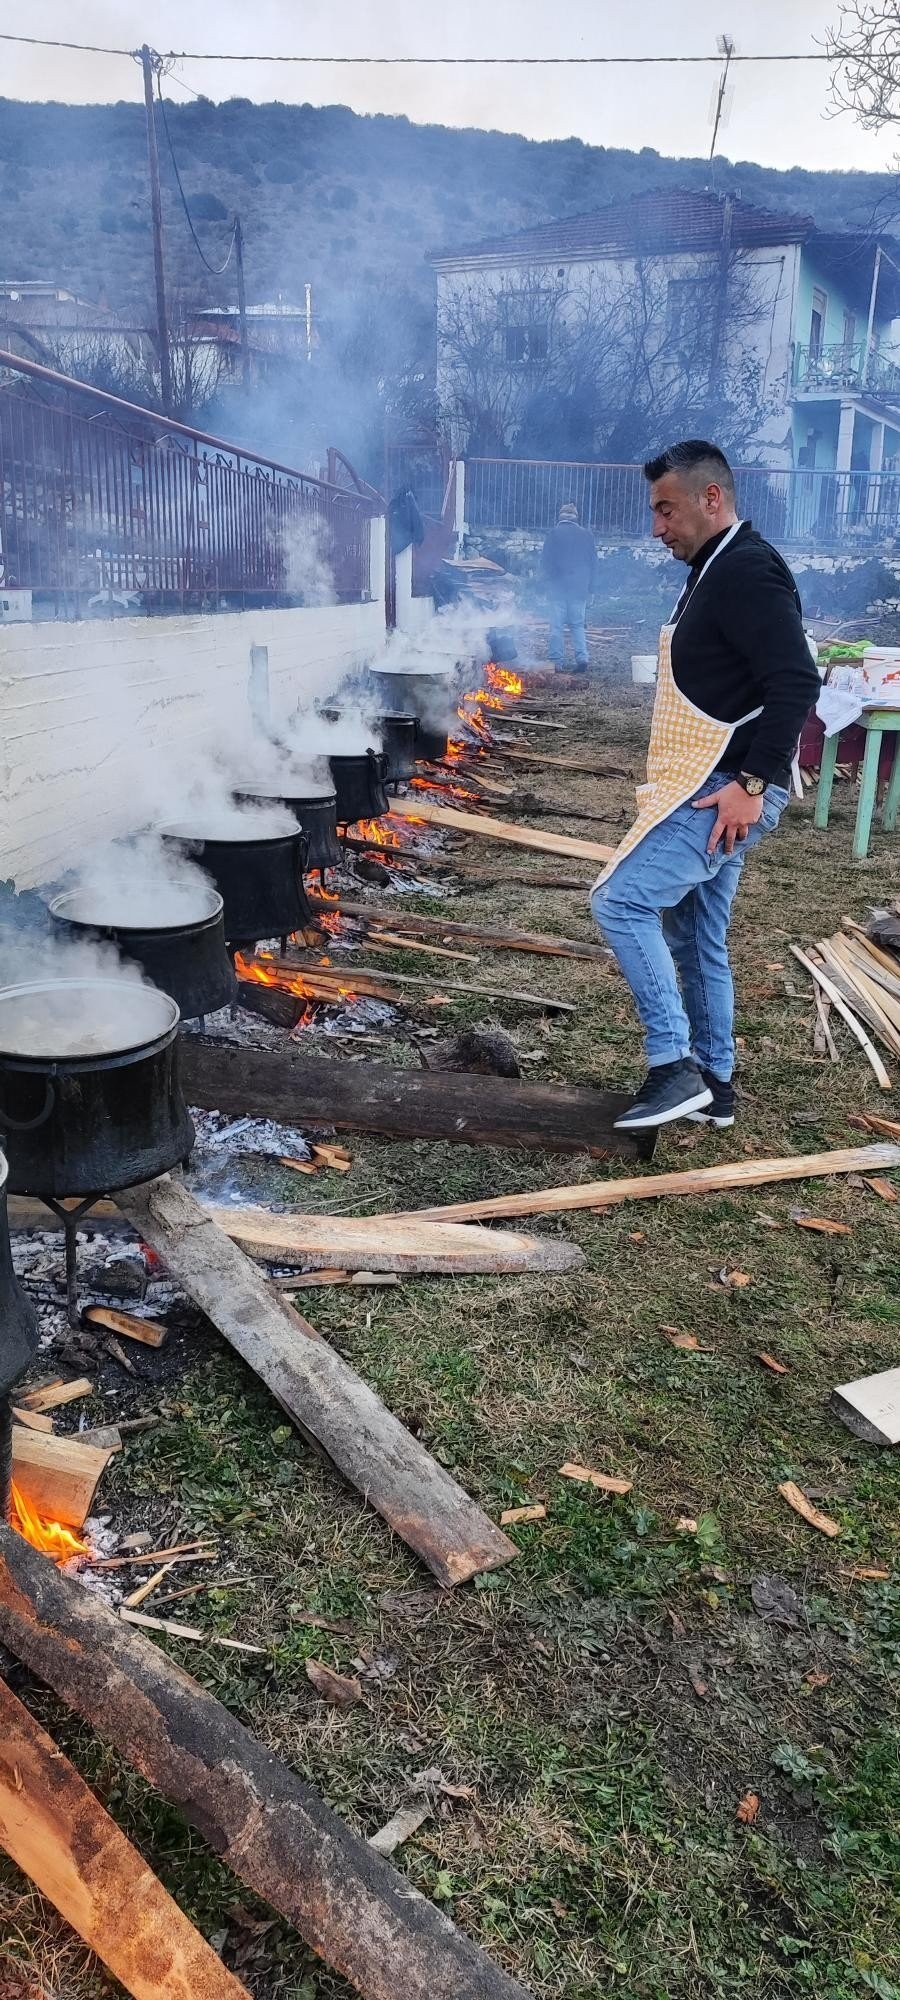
[(569, 569)]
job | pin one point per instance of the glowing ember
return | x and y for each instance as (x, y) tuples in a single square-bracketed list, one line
[(49, 1536), (377, 832), (451, 791), (264, 971)]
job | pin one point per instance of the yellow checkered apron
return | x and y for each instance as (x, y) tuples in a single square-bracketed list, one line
[(686, 745)]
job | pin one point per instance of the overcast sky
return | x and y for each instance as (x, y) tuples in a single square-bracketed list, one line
[(778, 114)]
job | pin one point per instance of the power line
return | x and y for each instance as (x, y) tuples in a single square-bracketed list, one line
[(428, 62), (215, 270)]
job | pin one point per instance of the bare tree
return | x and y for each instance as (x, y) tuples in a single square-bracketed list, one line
[(865, 50)]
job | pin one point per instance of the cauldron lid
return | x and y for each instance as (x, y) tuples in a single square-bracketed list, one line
[(420, 670), (138, 911), (53, 1020), (293, 785), (235, 830)]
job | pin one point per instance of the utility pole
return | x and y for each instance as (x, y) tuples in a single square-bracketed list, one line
[(726, 50), (146, 59), (242, 299)]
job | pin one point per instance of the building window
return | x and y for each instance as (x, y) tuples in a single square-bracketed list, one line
[(525, 330), (817, 323), (687, 311)]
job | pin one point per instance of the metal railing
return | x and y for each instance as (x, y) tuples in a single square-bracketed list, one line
[(103, 502), (843, 365), (794, 508)]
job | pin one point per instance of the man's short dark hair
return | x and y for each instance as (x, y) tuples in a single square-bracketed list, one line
[(693, 455)]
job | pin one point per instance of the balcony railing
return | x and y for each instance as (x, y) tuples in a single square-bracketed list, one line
[(102, 501), (843, 365)]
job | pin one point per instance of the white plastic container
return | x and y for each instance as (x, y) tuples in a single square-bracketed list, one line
[(643, 669), (880, 670)]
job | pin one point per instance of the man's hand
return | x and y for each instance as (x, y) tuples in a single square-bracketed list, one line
[(737, 812)]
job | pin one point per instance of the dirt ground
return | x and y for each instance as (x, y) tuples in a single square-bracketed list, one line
[(599, 1709)]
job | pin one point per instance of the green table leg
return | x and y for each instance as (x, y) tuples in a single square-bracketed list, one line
[(868, 792), (826, 779), (892, 795)]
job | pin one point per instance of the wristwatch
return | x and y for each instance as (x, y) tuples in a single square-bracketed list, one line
[(754, 787)]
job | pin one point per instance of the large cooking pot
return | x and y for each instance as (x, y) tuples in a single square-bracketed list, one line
[(359, 783), (432, 742), (431, 697), (314, 806), (259, 878), (186, 959), (18, 1319), (399, 741), (89, 1090)]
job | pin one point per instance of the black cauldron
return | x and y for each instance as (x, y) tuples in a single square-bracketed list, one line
[(432, 743), (259, 878), (89, 1090), (187, 960), (399, 739), (18, 1338), (314, 806), (359, 784)]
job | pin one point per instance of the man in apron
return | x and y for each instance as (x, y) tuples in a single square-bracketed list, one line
[(735, 683)]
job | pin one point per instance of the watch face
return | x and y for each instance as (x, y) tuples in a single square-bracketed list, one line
[(754, 786)]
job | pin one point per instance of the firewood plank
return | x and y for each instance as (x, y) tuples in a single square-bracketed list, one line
[(536, 942), (358, 1913), (60, 1835), (499, 829), (698, 1180), (57, 1475), (320, 1392), (359, 979), (386, 1244), (474, 1110)]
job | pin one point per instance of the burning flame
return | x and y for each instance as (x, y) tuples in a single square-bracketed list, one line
[(377, 832), (49, 1536), (263, 971), (502, 680)]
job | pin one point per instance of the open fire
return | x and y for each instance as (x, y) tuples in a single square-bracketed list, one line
[(50, 1537)]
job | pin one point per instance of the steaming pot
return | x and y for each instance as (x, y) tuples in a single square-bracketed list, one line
[(316, 810), (186, 960), (260, 880), (89, 1091), (399, 736), (359, 786)]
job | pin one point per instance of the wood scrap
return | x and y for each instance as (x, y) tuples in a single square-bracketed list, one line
[(606, 1482), (870, 1123), (60, 1835), (176, 1631), (882, 1188), (501, 939), (840, 954), (263, 1821), (149, 1332), (313, 1280), (58, 1476), (401, 1827), (288, 1085), (823, 1039), (497, 829), (55, 1394), (388, 1243), (870, 1408), (324, 1397), (770, 1361), (511, 1515), (32, 1419), (699, 1180), (391, 941), (146, 1589), (797, 1499), (828, 986), (512, 754), (184, 1551), (355, 979)]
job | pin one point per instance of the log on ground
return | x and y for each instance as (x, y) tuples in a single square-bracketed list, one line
[(294, 1088), (328, 1402), (498, 829), (356, 1243), (539, 943), (361, 1916)]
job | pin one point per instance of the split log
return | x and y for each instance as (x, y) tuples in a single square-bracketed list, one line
[(499, 829), (59, 1834), (329, 981), (514, 755), (57, 1475), (479, 1110), (327, 1401), (538, 942), (700, 1180), (363, 1918), (354, 1242)]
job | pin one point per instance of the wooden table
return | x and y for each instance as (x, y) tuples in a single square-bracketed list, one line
[(877, 723)]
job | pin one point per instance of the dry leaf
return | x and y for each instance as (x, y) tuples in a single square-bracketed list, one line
[(735, 1280), (748, 1810), (879, 1186), (862, 1573), (821, 1223), (792, 1494), (695, 1677), (604, 1480), (769, 1361), (679, 1629), (685, 1525), (636, 1236), (687, 1341), (342, 1689), (512, 1514), (768, 1222), (816, 1680)]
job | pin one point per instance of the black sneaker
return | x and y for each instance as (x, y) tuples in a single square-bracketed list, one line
[(721, 1111), (671, 1090)]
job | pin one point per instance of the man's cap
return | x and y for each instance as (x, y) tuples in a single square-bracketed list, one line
[(568, 511)]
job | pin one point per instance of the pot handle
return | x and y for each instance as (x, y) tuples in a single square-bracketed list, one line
[(10, 1124), (380, 761), (302, 853)]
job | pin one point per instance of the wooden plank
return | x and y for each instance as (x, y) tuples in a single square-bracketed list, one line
[(359, 979), (700, 1180), (828, 986), (871, 1407), (32, 1420), (363, 1918), (291, 1087), (499, 939), (57, 1475), (354, 1242), (60, 1835), (510, 754), (326, 1399), (55, 1394), (150, 1332), (498, 829)]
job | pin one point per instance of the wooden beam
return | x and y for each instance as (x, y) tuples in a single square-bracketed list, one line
[(59, 1834), (540, 943), (499, 829), (328, 981), (700, 1180), (362, 1917), (330, 1403), (291, 1087), (57, 1475), (352, 1242)]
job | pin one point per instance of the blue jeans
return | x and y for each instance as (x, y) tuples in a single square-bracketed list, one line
[(566, 609), (665, 912)]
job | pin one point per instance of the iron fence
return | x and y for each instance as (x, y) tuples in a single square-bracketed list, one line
[(102, 502), (833, 511)]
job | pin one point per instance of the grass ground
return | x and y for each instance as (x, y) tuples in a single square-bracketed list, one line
[(608, 1699)]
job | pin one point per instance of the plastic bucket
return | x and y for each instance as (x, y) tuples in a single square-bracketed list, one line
[(643, 669)]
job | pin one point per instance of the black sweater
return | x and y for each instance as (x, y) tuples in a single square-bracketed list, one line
[(739, 644)]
